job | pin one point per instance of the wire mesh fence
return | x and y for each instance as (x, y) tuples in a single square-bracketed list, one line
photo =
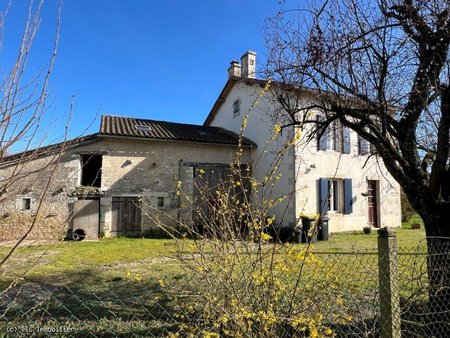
[(390, 293)]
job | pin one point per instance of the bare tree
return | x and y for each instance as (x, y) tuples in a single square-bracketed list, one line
[(381, 68), (23, 105)]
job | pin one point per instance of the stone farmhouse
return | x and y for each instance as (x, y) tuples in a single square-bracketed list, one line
[(106, 184)]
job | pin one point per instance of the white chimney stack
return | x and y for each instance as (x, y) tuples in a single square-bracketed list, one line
[(248, 64), (234, 69)]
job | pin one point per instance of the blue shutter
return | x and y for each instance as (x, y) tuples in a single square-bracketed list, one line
[(348, 196), (363, 146), (323, 196), (346, 142)]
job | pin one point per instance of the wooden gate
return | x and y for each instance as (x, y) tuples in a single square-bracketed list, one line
[(372, 203), (126, 216)]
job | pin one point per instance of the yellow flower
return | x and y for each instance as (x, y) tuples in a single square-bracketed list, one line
[(277, 129), (265, 237), (313, 333)]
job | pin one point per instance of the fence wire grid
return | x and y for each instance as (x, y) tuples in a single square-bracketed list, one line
[(390, 293)]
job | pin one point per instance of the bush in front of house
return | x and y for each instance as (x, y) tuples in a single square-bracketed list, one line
[(238, 282), (407, 209)]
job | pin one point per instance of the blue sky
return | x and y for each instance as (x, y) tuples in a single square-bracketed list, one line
[(156, 59)]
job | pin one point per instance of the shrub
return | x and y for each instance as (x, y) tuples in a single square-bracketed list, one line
[(238, 282), (407, 209)]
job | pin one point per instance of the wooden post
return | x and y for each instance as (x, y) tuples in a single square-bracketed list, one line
[(388, 284)]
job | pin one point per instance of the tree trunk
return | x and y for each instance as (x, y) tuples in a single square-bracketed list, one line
[(438, 264)]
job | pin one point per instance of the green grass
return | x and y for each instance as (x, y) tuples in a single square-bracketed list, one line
[(152, 256), (414, 219), (357, 241), (106, 258), (112, 285)]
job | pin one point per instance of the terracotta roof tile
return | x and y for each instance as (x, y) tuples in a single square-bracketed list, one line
[(162, 130)]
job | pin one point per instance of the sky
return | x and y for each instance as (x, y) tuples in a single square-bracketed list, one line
[(155, 59)]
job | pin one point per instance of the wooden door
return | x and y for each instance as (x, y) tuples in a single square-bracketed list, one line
[(209, 180), (126, 216), (372, 203), (86, 218)]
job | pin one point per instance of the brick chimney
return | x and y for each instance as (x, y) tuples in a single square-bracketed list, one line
[(234, 69), (248, 64)]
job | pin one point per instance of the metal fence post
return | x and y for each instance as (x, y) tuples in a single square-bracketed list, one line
[(388, 283)]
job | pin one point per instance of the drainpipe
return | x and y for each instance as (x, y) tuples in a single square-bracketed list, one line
[(180, 166)]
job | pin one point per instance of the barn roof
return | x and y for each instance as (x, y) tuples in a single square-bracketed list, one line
[(163, 130)]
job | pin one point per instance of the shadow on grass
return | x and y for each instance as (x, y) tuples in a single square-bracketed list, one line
[(87, 303)]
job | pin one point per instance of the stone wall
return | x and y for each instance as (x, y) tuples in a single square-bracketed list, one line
[(148, 170)]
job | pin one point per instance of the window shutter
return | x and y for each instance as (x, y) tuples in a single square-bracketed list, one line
[(346, 142), (363, 146), (324, 140), (348, 203), (323, 196)]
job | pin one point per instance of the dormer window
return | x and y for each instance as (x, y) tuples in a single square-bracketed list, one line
[(236, 108), (141, 127)]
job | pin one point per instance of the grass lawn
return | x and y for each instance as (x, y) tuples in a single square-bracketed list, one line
[(114, 257), (113, 285), (356, 241)]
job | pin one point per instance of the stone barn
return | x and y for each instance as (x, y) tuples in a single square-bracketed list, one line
[(113, 182)]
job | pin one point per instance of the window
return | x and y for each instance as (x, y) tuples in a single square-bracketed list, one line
[(91, 170), (26, 203), (236, 108), (336, 137), (335, 195), (160, 202), (364, 146)]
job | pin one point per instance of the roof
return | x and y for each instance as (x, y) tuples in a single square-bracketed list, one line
[(118, 126), (162, 130), (226, 90), (47, 150), (232, 81), (250, 81)]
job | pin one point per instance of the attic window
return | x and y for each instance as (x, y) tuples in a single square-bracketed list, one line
[(141, 127), (236, 108)]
